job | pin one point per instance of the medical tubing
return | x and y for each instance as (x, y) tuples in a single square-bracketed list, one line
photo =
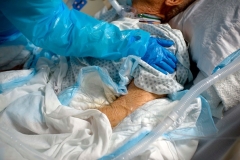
[(179, 110), (116, 6)]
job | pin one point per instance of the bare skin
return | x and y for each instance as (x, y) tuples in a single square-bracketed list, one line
[(164, 9), (126, 104), (153, 7)]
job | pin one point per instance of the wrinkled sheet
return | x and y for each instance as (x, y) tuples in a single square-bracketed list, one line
[(34, 115)]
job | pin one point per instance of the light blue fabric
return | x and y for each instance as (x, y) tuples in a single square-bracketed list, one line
[(37, 53), (16, 82), (19, 81), (52, 26), (106, 79), (113, 74), (227, 60), (66, 96), (204, 126)]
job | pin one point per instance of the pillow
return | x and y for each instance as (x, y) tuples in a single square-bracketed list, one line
[(212, 29)]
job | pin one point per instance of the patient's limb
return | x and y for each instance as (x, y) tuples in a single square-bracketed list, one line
[(164, 9), (126, 104)]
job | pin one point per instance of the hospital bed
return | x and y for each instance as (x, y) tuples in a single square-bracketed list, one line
[(208, 146), (216, 24)]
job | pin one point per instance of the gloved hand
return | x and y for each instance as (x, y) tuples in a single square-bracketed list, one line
[(159, 57)]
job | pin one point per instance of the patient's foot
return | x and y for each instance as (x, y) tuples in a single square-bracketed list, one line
[(126, 104)]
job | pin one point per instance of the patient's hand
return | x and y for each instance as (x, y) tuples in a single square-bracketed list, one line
[(126, 104)]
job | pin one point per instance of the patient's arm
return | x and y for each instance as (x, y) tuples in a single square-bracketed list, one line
[(126, 104)]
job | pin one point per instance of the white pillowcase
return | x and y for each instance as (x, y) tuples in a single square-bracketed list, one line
[(212, 28)]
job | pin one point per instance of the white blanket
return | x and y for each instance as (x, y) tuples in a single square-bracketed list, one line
[(34, 116)]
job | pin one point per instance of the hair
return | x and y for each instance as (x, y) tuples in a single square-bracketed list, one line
[(177, 9)]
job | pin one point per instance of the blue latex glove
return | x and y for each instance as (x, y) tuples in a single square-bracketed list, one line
[(49, 24), (159, 57)]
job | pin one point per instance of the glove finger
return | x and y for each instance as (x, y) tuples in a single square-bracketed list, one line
[(165, 42), (169, 54), (170, 62), (165, 67), (159, 69)]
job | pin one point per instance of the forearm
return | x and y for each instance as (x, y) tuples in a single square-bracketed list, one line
[(127, 104)]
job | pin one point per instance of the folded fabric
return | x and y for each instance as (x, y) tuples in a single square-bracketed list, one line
[(13, 79), (228, 90), (43, 124)]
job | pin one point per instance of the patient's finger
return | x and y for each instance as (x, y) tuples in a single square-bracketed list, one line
[(170, 55), (170, 62)]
